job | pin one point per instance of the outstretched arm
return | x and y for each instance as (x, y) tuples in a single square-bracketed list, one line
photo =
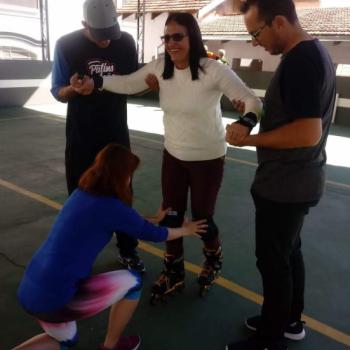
[(243, 99), (122, 84), (160, 215), (125, 219), (231, 85), (127, 84), (187, 229)]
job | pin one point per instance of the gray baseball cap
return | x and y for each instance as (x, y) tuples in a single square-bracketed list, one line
[(101, 18)]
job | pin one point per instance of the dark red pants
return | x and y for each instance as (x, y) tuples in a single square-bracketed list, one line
[(202, 180)]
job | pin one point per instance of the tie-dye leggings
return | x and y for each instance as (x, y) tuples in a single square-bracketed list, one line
[(94, 295)]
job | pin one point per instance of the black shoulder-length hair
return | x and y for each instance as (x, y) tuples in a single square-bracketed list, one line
[(197, 50)]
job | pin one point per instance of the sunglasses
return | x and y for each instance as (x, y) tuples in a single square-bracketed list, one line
[(177, 37)]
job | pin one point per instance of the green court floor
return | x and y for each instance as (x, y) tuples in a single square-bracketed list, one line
[(32, 189)]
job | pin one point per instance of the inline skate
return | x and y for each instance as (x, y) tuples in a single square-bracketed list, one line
[(211, 268), (171, 279)]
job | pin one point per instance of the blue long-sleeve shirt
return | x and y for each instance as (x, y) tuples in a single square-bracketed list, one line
[(82, 229), (60, 73)]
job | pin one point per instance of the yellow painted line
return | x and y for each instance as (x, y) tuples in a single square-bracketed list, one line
[(326, 330), (315, 325), (53, 117), (56, 118), (32, 195), (17, 118)]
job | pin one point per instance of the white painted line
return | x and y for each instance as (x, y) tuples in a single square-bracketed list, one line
[(22, 83)]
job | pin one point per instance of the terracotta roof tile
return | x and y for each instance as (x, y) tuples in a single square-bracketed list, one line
[(164, 6), (327, 21), (317, 21), (225, 25)]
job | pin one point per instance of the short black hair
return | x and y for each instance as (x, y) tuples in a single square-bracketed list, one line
[(197, 50), (269, 9)]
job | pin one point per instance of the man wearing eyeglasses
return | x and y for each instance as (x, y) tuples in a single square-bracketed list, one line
[(290, 178)]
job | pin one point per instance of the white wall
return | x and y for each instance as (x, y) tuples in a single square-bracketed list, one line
[(242, 49), (22, 21), (154, 29), (340, 53), (65, 16), (18, 20)]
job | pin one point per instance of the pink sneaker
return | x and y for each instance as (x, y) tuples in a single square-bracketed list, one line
[(131, 342)]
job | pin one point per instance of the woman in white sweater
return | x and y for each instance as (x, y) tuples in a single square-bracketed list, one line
[(190, 88)]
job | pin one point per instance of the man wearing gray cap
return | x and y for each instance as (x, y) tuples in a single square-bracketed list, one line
[(94, 121)]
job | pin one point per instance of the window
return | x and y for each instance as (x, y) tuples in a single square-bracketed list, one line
[(16, 53), (247, 64)]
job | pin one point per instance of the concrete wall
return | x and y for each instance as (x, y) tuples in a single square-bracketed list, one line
[(342, 116), (24, 82), (28, 82), (339, 52), (260, 80)]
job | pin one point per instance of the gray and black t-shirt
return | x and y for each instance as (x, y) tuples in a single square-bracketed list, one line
[(93, 121), (302, 87)]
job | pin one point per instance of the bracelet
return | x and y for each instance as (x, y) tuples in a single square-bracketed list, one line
[(249, 120)]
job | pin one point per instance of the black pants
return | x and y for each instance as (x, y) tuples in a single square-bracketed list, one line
[(76, 163), (280, 262)]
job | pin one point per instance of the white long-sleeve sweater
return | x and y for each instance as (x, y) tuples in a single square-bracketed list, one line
[(193, 128)]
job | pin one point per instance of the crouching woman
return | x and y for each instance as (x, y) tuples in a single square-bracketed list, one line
[(58, 289)]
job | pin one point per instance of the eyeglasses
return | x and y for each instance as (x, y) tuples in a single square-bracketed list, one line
[(256, 34), (177, 37)]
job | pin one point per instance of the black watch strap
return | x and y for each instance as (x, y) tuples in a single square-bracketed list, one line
[(98, 82), (249, 120)]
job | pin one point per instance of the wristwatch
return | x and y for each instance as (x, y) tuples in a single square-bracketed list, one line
[(249, 120)]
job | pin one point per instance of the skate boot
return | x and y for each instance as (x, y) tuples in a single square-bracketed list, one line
[(171, 279), (133, 262), (211, 268)]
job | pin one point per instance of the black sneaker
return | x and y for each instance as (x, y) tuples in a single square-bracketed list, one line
[(132, 262), (256, 344), (294, 331)]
